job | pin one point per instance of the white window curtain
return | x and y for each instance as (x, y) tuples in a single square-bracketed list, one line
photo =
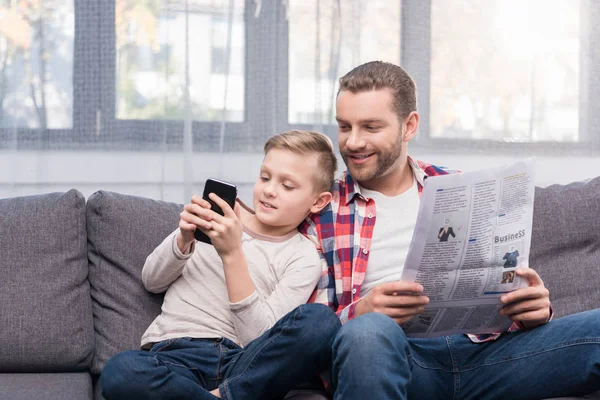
[(151, 97)]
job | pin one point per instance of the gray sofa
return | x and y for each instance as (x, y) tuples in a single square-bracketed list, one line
[(71, 294)]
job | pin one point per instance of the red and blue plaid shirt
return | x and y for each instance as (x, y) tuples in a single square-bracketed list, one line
[(342, 233)]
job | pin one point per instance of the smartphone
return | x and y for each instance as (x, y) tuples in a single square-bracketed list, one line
[(224, 190)]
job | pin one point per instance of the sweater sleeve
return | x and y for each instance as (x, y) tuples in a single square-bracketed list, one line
[(255, 315), (165, 264)]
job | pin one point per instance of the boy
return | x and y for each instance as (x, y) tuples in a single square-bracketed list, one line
[(227, 328)]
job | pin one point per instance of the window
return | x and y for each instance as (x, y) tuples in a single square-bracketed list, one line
[(151, 60), (326, 40), (36, 64), (111, 74), (505, 70)]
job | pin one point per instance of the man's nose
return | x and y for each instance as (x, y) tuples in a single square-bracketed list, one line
[(355, 140)]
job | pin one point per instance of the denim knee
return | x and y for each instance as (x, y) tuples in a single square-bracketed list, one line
[(320, 323), (119, 378), (372, 332)]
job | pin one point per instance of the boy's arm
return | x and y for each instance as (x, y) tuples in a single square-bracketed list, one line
[(237, 277), (165, 264), (253, 315)]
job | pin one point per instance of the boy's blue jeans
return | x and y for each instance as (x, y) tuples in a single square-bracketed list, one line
[(372, 358), (294, 350)]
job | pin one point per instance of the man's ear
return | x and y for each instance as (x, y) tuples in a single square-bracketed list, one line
[(412, 124), (321, 201)]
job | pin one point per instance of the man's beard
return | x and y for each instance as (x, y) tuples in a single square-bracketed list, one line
[(385, 159)]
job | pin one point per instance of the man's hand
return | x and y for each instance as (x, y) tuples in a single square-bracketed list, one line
[(530, 305), (224, 231), (400, 300)]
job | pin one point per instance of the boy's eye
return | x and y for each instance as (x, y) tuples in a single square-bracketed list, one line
[(287, 187), (264, 178)]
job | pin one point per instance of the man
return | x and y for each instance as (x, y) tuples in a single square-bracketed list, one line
[(364, 235)]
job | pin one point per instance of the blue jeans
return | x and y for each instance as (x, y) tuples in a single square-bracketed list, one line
[(294, 350), (373, 358)]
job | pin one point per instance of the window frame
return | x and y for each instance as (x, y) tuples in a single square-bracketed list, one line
[(416, 59), (95, 126)]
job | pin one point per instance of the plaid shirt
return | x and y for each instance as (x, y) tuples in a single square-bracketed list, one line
[(342, 233)]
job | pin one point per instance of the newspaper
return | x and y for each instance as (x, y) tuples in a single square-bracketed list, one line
[(473, 230)]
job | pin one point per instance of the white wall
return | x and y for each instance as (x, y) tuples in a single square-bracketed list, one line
[(160, 176)]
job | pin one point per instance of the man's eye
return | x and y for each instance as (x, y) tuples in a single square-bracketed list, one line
[(344, 127), (372, 128)]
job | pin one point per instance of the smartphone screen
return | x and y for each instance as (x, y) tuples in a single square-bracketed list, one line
[(224, 190)]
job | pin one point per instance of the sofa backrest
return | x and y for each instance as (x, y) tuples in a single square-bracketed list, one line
[(47, 241), (122, 231), (45, 309), (565, 244)]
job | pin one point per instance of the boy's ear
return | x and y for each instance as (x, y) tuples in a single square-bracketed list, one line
[(321, 201)]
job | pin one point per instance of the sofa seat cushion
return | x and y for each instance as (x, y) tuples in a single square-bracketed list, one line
[(59, 386), (565, 244), (45, 307), (122, 231)]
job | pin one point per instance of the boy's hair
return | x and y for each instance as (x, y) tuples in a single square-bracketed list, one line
[(305, 142), (376, 75)]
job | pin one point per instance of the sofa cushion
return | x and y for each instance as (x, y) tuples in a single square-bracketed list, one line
[(565, 244), (61, 386), (122, 231), (45, 308)]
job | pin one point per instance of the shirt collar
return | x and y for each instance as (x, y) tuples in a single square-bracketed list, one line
[(353, 189)]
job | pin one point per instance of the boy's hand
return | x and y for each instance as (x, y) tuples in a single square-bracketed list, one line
[(224, 231), (530, 305), (189, 220)]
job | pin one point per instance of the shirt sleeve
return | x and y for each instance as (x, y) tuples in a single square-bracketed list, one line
[(254, 315), (325, 292), (165, 264)]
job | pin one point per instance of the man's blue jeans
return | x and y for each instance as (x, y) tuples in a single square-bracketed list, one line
[(294, 350), (373, 359)]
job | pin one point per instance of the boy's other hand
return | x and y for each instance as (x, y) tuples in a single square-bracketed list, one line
[(224, 231), (399, 300)]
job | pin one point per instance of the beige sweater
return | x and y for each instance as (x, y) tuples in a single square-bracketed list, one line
[(284, 270)]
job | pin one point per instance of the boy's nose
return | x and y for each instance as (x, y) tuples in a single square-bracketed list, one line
[(269, 191)]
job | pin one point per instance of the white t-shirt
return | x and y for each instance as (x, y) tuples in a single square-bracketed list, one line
[(396, 217)]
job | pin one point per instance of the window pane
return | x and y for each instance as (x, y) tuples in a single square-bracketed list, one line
[(325, 42), (36, 64), (151, 59), (505, 70)]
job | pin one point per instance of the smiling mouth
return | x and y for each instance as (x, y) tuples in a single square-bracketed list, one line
[(360, 158), (267, 205)]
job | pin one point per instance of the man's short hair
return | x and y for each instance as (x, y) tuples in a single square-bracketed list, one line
[(376, 75), (306, 142)]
